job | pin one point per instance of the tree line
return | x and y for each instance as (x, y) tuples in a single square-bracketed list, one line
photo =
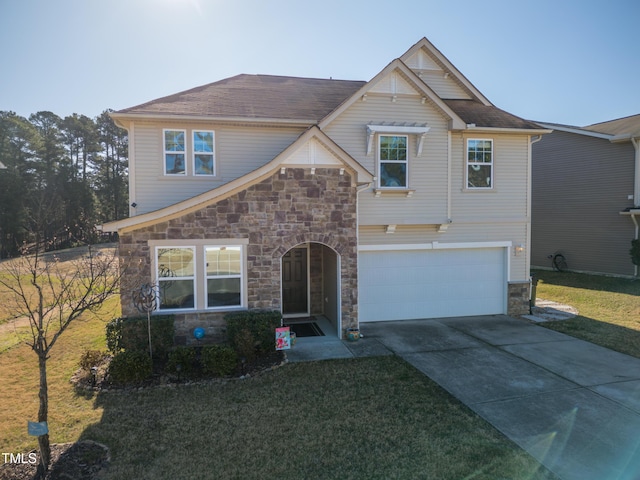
[(62, 177)]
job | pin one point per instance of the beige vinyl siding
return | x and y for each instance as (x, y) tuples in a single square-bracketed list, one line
[(444, 87), (238, 151), (580, 184), (456, 233), (507, 200), (427, 173)]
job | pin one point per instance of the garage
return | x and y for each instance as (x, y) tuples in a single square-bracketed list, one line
[(431, 283)]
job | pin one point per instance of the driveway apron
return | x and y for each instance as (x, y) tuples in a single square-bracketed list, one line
[(572, 405)]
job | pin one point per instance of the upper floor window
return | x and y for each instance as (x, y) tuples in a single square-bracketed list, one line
[(393, 161), (203, 152), (174, 152), (479, 163)]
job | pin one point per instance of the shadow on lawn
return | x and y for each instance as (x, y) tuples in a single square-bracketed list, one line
[(627, 286), (609, 332)]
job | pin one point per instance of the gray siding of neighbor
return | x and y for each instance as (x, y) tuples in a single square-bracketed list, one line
[(580, 184)]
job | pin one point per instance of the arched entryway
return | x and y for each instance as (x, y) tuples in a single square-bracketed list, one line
[(310, 286)]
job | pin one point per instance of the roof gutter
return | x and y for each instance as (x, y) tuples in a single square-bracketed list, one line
[(122, 118), (525, 131)]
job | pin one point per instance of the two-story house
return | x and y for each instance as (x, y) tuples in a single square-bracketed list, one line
[(404, 197), (586, 196)]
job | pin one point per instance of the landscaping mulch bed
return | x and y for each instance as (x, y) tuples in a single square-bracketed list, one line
[(69, 461), (83, 380)]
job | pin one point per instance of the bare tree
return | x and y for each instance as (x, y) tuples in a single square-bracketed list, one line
[(51, 294)]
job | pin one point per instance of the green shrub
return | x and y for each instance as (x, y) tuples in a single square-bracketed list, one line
[(91, 358), (219, 360), (253, 332), (131, 334), (185, 357), (635, 252), (130, 367)]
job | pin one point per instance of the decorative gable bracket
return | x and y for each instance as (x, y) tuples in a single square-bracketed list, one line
[(419, 130)]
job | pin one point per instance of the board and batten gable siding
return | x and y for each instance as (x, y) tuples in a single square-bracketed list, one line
[(427, 172), (238, 151), (580, 186), (431, 73)]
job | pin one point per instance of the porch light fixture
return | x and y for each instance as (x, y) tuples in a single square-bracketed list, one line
[(283, 170), (519, 249), (313, 171)]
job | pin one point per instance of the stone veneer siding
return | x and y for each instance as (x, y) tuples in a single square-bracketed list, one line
[(275, 215), (518, 298)]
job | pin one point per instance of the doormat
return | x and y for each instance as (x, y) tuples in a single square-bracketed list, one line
[(307, 329)]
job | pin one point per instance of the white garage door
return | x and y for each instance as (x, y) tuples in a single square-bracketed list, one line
[(402, 285)]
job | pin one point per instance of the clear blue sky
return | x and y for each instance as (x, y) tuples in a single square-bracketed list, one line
[(573, 62)]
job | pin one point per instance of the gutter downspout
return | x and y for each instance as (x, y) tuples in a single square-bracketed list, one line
[(532, 140), (635, 222), (636, 185)]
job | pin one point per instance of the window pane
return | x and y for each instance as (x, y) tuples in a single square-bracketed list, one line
[(174, 163), (176, 294), (393, 148), (223, 292), (223, 261), (203, 142), (204, 164), (393, 174), (174, 141), (479, 176), (175, 262)]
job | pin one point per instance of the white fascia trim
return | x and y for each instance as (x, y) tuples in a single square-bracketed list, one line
[(576, 130), (300, 122), (524, 131), (434, 246)]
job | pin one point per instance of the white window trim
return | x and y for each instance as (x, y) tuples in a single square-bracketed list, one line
[(173, 152), (380, 161), (467, 164), (212, 154), (200, 273), (158, 280), (241, 276)]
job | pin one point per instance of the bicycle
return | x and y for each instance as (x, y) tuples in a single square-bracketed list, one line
[(558, 262)]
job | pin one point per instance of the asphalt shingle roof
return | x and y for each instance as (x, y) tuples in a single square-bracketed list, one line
[(293, 98), (472, 111), (256, 96), (622, 126)]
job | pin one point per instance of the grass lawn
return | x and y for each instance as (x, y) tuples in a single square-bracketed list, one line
[(366, 418), (357, 418), (609, 308)]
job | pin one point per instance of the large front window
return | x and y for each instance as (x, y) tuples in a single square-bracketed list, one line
[(393, 157), (200, 277), (174, 152), (480, 164)]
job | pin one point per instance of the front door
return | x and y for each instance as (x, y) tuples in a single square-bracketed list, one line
[(294, 282)]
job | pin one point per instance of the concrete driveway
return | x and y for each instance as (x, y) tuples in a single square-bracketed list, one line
[(572, 405)]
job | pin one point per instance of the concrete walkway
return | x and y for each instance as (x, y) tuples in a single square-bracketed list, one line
[(572, 405)]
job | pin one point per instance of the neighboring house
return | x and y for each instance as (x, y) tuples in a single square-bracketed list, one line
[(586, 196), (404, 197)]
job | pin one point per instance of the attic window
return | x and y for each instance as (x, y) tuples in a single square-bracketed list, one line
[(419, 130)]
